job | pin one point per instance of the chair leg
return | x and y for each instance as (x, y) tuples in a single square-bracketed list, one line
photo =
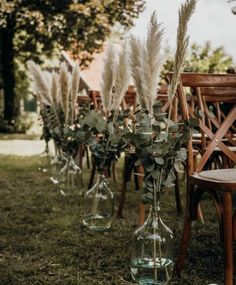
[(114, 174), (183, 245), (184, 242), (136, 181), (234, 225), (81, 153), (228, 238), (123, 189), (177, 195), (87, 157), (141, 213)]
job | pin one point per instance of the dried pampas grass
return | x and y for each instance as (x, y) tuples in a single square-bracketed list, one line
[(146, 58), (146, 63), (57, 91), (40, 82), (121, 77), (54, 89), (65, 85), (116, 74), (152, 62), (136, 69), (185, 12), (107, 79), (74, 90)]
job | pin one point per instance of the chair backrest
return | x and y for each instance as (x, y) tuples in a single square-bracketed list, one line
[(214, 97)]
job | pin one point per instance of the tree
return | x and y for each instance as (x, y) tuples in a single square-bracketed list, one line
[(204, 59), (30, 28)]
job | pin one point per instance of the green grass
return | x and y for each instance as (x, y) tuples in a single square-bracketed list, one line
[(42, 240)]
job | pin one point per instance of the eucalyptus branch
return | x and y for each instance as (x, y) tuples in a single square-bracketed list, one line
[(116, 74), (110, 133)]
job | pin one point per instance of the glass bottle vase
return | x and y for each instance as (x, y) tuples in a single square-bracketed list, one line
[(57, 163), (98, 206), (152, 256), (70, 178), (44, 163)]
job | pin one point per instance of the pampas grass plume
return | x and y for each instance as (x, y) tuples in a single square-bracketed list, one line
[(107, 79), (41, 84), (185, 13), (152, 62), (65, 90), (121, 77), (136, 69), (74, 90)]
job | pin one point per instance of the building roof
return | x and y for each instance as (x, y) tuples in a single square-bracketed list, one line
[(92, 75)]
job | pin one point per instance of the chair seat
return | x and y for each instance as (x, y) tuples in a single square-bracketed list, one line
[(218, 179)]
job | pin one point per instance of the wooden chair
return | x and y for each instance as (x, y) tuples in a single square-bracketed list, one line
[(217, 133)]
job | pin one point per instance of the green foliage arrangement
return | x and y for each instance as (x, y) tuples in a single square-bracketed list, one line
[(159, 148), (157, 139), (107, 140), (57, 95)]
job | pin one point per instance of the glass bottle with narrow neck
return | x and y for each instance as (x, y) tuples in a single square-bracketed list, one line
[(152, 251), (70, 177), (98, 205), (45, 157), (57, 163)]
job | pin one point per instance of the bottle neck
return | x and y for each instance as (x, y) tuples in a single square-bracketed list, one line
[(101, 177), (154, 215)]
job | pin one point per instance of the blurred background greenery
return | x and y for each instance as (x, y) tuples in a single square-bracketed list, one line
[(40, 30)]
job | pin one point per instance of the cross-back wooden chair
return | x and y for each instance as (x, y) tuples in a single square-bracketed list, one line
[(217, 126), (130, 157)]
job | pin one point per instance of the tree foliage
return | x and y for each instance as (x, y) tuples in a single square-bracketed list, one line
[(81, 26), (31, 29), (204, 58)]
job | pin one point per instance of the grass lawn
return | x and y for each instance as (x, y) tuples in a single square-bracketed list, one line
[(42, 240)]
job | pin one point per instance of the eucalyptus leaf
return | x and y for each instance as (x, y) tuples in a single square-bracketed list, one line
[(114, 139), (194, 122), (156, 174), (168, 182), (147, 198), (182, 154), (176, 166), (159, 160), (137, 162), (57, 131), (201, 114)]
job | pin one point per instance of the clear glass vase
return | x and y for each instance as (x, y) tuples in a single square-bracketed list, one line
[(152, 256), (57, 163), (44, 163), (99, 206), (70, 178)]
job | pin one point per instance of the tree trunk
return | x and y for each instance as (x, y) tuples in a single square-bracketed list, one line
[(7, 59)]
